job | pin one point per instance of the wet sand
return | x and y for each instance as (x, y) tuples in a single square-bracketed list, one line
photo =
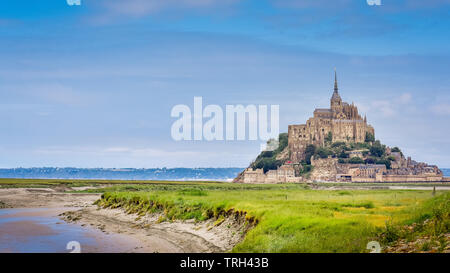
[(38, 230), (45, 197), (44, 220)]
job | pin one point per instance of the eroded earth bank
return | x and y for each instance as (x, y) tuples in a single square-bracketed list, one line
[(147, 233)]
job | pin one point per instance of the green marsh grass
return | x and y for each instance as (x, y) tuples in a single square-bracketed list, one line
[(289, 218)]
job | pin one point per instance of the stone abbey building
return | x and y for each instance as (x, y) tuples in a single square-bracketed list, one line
[(340, 123), (342, 120)]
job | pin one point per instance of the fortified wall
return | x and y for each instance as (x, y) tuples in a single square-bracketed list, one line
[(328, 169), (284, 174)]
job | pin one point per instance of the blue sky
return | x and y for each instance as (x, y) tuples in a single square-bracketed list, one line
[(93, 85)]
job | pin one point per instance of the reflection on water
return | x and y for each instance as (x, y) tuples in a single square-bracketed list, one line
[(40, 230)]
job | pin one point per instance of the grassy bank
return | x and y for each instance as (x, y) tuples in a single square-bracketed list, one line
[(289, 218), (427, 229)]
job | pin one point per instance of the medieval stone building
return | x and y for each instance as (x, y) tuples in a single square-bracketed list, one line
[(340, 123), (342, 120)]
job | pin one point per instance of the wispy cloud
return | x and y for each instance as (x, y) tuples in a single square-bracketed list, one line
[(345, 4), (114, 151), (354, 18), (143, 7), (322, 4), (405, 98), (50, 94), (420, 4), (387, 108), (442, 109), (109, 10), (149, 152)]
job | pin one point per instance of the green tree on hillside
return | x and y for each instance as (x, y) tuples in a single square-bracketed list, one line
[(266, 154), (391, 158), (377, 149), (356, 160), (385, 162), (309, 152), (338, 144), (342, 161), (323, 152), (282, 143), (370, 137), (343, 154), (266, 160), (267, 164), (370, 160)]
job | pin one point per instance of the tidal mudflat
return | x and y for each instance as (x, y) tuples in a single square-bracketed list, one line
[(35, 219), (40, 230)]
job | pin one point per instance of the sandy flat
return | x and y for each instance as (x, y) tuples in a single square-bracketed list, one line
[(45, 197), (146, 231)]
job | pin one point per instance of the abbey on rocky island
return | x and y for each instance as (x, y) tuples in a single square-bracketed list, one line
[(337, 145)]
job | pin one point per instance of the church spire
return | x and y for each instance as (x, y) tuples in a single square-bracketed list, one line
[(336, 101), (335, 81)]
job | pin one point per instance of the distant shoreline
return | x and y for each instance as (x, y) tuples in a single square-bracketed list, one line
[(176, 174)]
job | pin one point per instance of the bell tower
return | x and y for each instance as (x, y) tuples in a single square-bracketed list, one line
[(336, 101)]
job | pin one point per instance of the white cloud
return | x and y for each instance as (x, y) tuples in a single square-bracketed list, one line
[(113, 151), (323, 4), (44, 96), (148, 152), (117, 150), (345, 4), (141, 8), (386, 108), (59, 94), (405, 98)]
